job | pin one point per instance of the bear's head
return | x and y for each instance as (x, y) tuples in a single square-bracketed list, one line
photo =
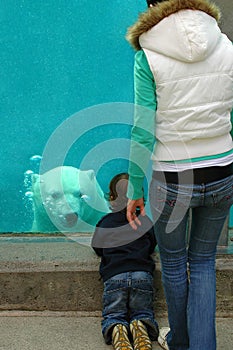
[(67, 199)]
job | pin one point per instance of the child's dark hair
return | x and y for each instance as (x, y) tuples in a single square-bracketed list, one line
[(118, 191)]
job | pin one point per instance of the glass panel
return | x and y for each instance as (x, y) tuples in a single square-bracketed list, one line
[(57, 58), (61, 61)]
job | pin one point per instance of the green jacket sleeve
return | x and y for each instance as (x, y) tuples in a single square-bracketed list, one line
[(142, 135)]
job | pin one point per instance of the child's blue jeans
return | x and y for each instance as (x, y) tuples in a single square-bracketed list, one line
[(126, 297)]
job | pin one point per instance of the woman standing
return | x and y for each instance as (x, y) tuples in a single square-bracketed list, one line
[(183, 76)]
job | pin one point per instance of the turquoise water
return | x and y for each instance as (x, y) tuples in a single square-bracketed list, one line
[(60, 59), (57, 58)]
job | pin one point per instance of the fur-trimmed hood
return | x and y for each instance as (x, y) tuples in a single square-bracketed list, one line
[(162, 11)]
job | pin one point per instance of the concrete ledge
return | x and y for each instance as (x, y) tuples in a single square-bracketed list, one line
[(59, 274)]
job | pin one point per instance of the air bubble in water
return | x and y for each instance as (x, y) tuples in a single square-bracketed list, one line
[(28, 179), (29, 195), (35, 163)]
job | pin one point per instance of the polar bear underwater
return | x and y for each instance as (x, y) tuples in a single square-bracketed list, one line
[(67, 199)]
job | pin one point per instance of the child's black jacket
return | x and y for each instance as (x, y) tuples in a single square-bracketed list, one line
[(121, 248)]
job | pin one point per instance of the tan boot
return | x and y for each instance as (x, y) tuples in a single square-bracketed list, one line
[(120, 340), (141, 339)]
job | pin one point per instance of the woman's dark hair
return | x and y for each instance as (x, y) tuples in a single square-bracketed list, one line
[(153, 2)]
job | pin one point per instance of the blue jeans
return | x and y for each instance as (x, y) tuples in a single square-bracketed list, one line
[(128, 296), (190, 296)]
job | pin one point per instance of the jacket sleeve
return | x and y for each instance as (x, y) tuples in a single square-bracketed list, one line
[(97, 250), (142, 134)]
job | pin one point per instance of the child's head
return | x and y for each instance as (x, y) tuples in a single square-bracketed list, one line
[(117, 191)]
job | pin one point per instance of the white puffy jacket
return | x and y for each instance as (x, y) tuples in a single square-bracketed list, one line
[(192, 64)]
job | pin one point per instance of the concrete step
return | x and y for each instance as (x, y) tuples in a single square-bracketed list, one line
[(59, 331), (39, 272)]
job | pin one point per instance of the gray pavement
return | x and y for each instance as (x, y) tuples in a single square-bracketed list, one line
[(57, 273), (71, 331)]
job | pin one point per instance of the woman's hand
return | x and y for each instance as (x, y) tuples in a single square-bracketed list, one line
[(132, 205)]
